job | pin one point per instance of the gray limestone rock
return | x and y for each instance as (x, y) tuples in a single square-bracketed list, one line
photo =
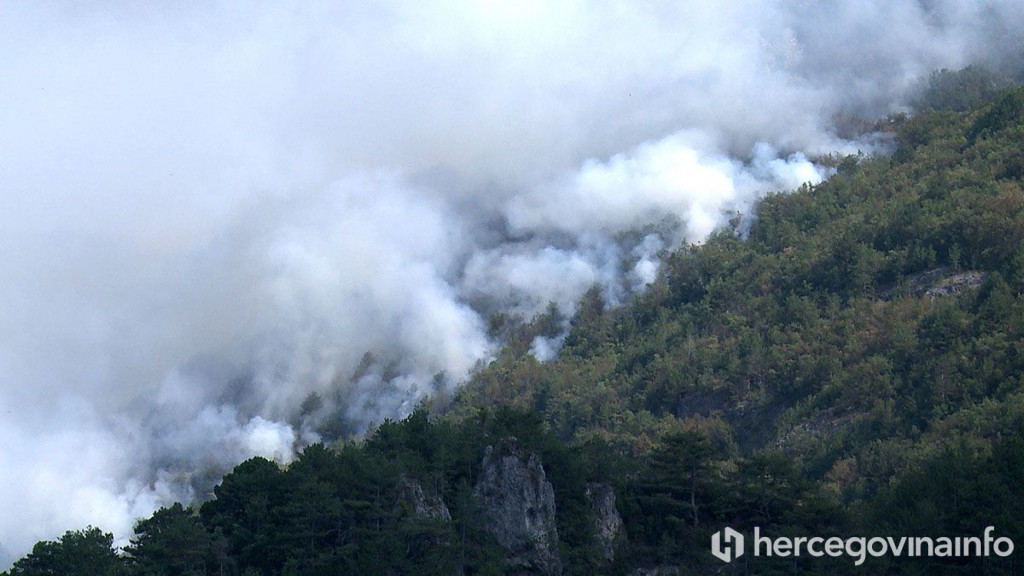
[(519, 504), (607, 521), (412, 496)]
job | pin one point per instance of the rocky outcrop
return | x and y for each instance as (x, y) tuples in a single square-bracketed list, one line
[(412, 497), (955, 284), (607, 522), (937, 283), (519, 505)]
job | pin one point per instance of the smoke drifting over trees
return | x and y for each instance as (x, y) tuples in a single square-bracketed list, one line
[(212, 211)]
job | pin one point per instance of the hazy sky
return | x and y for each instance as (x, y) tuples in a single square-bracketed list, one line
[(209, 210)]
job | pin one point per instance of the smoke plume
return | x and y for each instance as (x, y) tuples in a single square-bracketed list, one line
[(231, 228)]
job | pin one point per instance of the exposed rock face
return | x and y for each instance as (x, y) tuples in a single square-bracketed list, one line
[(939, 283), (607, 522), (519, 504), (420, 504), (955, 284)]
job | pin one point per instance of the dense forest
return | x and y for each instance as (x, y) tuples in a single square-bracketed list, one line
[(848, 362)]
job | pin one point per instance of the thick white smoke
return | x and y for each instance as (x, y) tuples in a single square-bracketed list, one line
[(210, 211)]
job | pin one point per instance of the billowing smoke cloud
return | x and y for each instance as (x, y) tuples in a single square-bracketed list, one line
[(230, 228)]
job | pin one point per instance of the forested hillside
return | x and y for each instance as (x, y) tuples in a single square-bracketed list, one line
[(877, 311), (851, 364)]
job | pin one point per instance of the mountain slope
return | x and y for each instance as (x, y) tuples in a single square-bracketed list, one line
[(879, 308), (852, 365)]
